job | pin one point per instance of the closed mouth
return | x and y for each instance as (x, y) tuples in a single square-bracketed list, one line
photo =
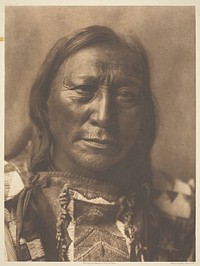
[(100, 141), (104, 144)]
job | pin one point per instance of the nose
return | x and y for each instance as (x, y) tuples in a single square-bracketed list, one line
[(102, 114)]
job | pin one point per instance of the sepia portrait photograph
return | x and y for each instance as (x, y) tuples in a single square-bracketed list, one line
[(100, 113)]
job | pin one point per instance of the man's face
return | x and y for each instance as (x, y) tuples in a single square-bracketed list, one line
[(95, 108)]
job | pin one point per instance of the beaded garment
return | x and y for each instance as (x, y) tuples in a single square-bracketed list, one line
[(63, 217)]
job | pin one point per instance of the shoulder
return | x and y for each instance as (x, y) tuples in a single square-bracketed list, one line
[(173, 196), (16, 175), (172, 217), (13, 182)]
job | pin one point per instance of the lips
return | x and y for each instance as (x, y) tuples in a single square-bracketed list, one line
[(99, 143)]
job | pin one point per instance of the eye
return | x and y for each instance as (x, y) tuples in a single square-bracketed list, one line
[(85, 89), (128, 95)]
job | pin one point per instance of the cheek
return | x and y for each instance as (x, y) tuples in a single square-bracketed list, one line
[(130, 124), (65, 116)]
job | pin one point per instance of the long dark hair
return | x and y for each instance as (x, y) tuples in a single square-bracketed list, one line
[(63, 49)]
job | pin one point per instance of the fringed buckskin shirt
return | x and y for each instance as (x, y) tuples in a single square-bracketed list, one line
[(58, 216)]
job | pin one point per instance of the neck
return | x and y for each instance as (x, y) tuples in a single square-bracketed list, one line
[(124, 174)]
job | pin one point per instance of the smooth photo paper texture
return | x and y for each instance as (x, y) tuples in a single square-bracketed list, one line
[(99, 133)]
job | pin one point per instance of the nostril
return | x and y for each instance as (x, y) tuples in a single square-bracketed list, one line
[(104, 120), (101, 121), (103, 111), (102, 116)]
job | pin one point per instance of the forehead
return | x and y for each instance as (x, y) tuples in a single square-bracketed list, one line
[(100, 60)]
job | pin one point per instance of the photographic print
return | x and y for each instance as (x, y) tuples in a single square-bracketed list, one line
[(99, 133)]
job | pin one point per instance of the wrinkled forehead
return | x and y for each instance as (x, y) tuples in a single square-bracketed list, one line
[(104, 63)]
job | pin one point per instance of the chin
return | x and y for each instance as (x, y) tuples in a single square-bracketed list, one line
[(98, 164)]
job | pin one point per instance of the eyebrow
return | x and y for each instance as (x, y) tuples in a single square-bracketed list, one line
[(80, 80), (88, 79)]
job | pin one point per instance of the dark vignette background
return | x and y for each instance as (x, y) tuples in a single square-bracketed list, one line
[(168, 34)]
